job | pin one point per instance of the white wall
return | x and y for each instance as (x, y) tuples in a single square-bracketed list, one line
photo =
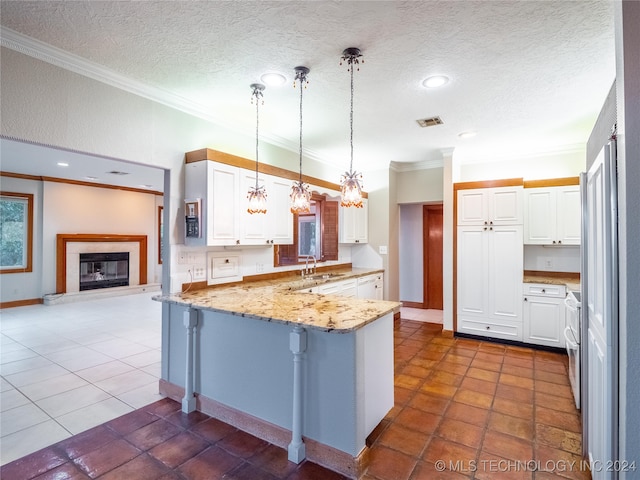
[(530, 167), (420, 186), (411, 254), (561, 259)]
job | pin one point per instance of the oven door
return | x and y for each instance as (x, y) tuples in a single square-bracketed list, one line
[(573, 351)]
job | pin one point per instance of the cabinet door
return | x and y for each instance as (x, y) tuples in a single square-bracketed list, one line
[(367, 287), (472, 271), (279, 211), (223, 222), (362, 222), (569, 215), (540, 216), (505, 206), (544, 321), (347, 224), (505, 266), (253, 227), (472, 207)]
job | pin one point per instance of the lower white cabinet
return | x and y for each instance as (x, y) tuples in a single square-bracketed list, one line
[(344, 288), (544, 314)]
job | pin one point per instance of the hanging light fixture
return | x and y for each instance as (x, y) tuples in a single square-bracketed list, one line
[(300, 194), (257, 195), (351, 182)]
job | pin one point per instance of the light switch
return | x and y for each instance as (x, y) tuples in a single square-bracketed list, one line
[(382, 249)]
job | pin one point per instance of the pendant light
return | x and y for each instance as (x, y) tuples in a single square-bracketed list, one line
[(351, 182), (300, 194), (257, 195)]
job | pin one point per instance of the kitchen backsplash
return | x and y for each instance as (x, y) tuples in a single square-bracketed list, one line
[(552, 258)]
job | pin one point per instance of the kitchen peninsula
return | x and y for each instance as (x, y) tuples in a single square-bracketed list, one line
[(309, 372)]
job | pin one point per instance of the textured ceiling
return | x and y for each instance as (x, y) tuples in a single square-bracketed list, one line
[(528, 76)]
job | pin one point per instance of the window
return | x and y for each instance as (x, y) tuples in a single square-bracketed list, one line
[(314, 234), (16, 232)]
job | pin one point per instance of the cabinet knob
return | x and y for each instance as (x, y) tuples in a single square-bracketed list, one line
[(490, 223), (525, 299), (490, 228), (559, 241), (544, 291), (357, 241), (237, 242), (488, 327), (485, 223), (485, 228), (554, 241), (267, 241), (226, 261)]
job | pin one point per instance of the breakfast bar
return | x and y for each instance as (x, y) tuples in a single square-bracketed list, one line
[(309, 372)]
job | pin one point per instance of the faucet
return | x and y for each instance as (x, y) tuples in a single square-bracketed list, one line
[(306, 270)]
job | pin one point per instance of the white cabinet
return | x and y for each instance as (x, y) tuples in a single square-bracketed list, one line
[(490, 206), (225, 221), (552, 215), (345, 288), (354, 224), (218, 186), (276, 226), (379, 286), (489, 281), (544, 314)]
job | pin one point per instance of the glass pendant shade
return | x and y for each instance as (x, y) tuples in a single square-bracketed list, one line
[(257, 200), (351, 182), (257, 195), (300, 198), (351, 189)]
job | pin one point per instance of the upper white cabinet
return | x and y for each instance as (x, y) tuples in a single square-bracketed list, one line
[(490, 206), (354, 224), (218, 187), (276, 226), (224, 218), (552, 215)]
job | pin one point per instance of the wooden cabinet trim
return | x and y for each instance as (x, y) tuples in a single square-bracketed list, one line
[(506, 182), (205, 154), (552, 182)]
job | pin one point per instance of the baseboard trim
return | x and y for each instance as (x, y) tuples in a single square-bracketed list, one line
[(20, 303), (448, 333), (325, 455), (413, 304)]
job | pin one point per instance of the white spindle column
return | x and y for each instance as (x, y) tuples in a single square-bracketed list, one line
[(190, 322), (298, 345)]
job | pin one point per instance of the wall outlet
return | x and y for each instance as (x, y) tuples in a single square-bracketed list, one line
[(548, 263), (382, 250), (199, 273), (259, 267), (182, 258)]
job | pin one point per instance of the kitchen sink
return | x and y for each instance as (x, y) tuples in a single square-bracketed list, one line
[(325, 276)]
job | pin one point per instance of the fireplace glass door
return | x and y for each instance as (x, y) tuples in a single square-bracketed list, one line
[(104, 270)]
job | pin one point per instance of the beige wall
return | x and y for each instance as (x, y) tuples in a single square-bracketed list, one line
[(420, 186)]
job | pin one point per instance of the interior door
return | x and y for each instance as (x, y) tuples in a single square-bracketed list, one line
[(601, 310), (432, 255)]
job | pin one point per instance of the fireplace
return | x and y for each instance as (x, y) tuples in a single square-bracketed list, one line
[(104, 270)]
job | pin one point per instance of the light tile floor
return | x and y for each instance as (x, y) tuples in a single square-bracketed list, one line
[(66, 368), (421, 315)]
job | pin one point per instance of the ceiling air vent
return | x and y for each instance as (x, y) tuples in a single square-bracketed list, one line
[(430, 122), (116, 172)]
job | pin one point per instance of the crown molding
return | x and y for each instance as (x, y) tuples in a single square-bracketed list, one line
[(412, 167), (60, 58)]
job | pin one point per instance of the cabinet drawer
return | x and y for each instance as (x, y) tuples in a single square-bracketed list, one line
[(545, 290), (509, 331), (224, 267)]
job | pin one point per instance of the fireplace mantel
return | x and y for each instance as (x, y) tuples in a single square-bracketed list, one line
[(61, 253)]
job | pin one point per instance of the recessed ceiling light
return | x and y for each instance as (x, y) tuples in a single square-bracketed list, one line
[(89, 177), (145, 186), (273, 79), (62, 164), (435, 81), (468, 134)]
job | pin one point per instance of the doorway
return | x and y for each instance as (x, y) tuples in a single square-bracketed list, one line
[(432, 220)]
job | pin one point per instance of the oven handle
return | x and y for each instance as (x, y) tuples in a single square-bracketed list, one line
[(568, 337)]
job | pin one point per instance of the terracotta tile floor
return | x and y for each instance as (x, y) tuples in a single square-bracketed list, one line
[(464, 409)]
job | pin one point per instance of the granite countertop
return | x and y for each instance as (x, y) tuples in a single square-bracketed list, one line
[(280, 301), (570, 282)]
